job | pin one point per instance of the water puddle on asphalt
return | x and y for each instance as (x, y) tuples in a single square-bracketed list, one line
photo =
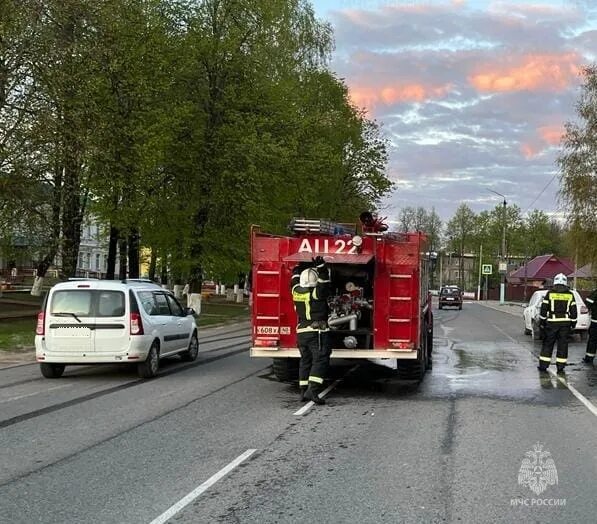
[(489, 369)]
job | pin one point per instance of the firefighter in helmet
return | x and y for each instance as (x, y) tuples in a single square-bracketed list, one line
[(310, 291), (558, 318), (592, 341)]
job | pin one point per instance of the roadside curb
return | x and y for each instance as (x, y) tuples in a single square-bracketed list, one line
[(501, 308), (15, 358)]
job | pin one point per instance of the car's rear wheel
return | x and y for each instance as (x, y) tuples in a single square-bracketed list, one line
[(51, 370), (191, 354), (527, 331), (149, 368), (536, 332)]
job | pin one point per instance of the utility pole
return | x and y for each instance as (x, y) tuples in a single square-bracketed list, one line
[(503, 265), (480, 268)]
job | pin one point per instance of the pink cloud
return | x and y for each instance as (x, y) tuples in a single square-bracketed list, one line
[(374, 96), (529, 150), (531, 72), (546, 136), (552, 134)]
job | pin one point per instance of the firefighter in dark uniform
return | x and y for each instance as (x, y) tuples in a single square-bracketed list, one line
[(592, 341), (310, 290), (558, 317)]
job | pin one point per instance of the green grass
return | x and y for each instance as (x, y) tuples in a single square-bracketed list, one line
[(17, 334), (220, 313), (22, 296)]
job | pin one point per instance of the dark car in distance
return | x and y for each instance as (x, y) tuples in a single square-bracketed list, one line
[(450, 296)]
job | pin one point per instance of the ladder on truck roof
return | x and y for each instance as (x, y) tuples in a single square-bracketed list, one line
[(320, 226)]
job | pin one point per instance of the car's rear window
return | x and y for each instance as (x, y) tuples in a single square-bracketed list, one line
[(450, 291), (87, 303), (77, 301), (110, 304)]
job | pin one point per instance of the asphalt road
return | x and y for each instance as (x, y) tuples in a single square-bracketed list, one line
[(101, 446)]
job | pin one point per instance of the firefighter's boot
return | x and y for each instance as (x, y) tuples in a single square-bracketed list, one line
[(303, 390), (312, 393)]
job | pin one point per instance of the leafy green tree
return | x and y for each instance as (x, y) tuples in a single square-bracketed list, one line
[(459, 233), (270, 132), (538, 234), (135, 66), (578, 164)]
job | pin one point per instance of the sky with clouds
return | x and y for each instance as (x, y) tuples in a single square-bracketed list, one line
[(472, 94)]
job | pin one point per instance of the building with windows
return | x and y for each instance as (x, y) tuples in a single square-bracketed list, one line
[(93, 250), (93, 253)]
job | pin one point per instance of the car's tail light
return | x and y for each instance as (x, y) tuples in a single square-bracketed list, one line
[(136, 324), (40, 329), (583, 310)]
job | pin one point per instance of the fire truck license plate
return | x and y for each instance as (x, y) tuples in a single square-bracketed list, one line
[(267, 330)]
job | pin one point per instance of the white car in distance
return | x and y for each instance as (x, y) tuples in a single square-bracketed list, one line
[(531, 315)]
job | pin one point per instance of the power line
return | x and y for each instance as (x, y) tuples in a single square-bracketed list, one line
[(539, 195)]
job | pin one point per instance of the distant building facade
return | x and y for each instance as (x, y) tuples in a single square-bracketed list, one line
[(92, 260)]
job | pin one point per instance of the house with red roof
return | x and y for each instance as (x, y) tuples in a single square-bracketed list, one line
[(539, 271), (584, 272)]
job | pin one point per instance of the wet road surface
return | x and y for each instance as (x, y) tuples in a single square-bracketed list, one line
[(100, 445)]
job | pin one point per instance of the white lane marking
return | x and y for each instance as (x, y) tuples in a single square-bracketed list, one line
[(185, 501), (310, 404), (505, 334), (36, 393), (575, 392), (465, 377), (591, 407)]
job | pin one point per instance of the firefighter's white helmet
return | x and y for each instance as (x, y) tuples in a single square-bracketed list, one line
[(308, 278), (560, 278)]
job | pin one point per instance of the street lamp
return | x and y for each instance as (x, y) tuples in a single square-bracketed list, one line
[(503, 257)]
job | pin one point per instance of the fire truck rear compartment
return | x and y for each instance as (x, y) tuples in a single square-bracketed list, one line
[(351, 306)]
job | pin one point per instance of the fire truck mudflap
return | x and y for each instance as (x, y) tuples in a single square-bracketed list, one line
[(380, 304)]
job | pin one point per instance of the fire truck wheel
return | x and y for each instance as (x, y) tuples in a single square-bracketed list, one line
[(409, 370), (286, 369), (429, 348)]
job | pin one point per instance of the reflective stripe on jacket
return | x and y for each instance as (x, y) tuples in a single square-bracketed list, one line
[(558, 305)]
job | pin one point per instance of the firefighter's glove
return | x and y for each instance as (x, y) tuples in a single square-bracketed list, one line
[(319, 262)]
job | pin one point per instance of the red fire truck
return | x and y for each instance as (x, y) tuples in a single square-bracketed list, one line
[(380, 308)]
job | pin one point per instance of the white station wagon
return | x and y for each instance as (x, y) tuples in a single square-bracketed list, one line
[(531, 315), (109, 321)]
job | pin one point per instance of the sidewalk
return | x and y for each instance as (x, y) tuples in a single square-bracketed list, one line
[(16, 357), (513, 308)]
